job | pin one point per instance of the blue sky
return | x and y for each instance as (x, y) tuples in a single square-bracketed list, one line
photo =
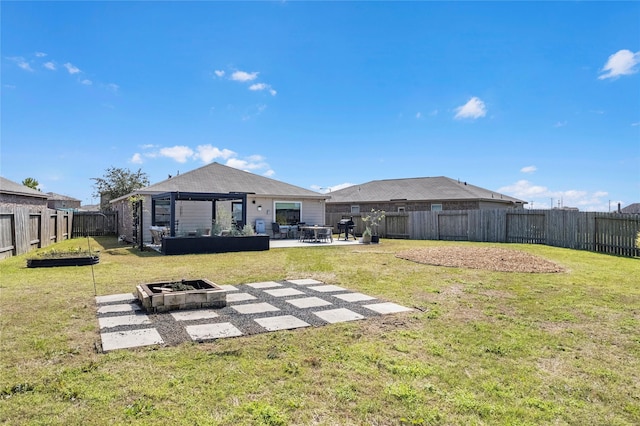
[(537, 100)]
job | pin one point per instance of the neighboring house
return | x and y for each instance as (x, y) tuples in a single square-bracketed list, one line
[(15, 194), (62, 202), (417, 194), (267, 200), (631, 209)]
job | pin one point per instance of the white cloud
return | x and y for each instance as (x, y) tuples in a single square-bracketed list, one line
[(71, 68), (21, 63), (113, 87), (252, 163), (244, 76), (258, 86), (418, 115), (40, 54), (179, 153), (623, 62), (528, 169), (561, 124), (208, 153), (329, 189), (269, 173), (136, 159), (474, 108), (50, 65), (86, 82), (219, 73), (541, 197)]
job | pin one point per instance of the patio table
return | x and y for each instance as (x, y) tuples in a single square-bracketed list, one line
[(316, 229)]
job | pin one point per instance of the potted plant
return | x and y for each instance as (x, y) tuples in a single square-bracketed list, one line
[(366, 236), (372, 221)]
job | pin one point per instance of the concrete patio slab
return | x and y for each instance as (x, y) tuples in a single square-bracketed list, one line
[(122, 297), (198, 314), (308, 302), (255, 308), (333, 316), (239, 297), (327, 288), (387, 308), (283, 292), (110, 322), (130, 339), (121, 307), (266, 284), (284, 322), (354, 297), (212, 331), (227, 287)]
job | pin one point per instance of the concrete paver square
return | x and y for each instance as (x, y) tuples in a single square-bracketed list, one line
[(338, 315), (197, 314), (305, 281), (266, 284), (123, 297), (239, 297), (130, 339), (121, 307), (255, 308), (327, 288), (387, 308), (108, 322), (354, 297), (282, 292), (308, 302), (227, 287), (284, 322), (212, 331)]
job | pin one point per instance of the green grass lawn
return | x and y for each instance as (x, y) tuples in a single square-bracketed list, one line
[(481, 347)]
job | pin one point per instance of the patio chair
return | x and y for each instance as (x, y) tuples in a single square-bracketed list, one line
[(275, 227), (325, 235)]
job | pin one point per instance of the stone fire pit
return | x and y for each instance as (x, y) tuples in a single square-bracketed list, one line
[(184, 294)]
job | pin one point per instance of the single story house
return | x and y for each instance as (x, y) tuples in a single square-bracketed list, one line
[(62, 202), (16, 194), (631, 209), (417, 194), (199, 195)]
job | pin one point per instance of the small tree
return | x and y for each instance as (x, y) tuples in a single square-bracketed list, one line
[(31, 183), (373, 219), (117, 182)]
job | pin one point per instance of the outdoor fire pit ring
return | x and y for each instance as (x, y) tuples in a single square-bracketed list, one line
[(183, 294)]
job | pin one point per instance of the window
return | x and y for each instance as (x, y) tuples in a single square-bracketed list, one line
[(287, 212), (436, 207), (163, 213), (355, 209), (401, 210), (236, 212)]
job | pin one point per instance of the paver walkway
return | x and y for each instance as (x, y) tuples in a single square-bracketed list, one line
[(251, 308)]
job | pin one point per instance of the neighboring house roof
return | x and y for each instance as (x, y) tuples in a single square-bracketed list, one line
[(631, 208), (417, 189), (54, 196), (217, 178), (10, 187)]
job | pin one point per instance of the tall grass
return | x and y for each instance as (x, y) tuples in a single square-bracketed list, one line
[(480, 347)]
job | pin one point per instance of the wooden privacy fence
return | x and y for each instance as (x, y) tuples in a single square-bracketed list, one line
[(23, 229), (95, 224), (611, 233)]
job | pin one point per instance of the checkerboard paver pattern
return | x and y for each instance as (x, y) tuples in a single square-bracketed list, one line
[(251, 308)]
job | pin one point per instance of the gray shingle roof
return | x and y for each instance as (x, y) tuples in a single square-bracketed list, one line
[(10, 187), (631, 208), (416, 189), (218, 178)]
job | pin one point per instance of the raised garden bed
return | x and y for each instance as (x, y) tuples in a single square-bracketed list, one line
[(62, 260), (184, 294), (195, 245)]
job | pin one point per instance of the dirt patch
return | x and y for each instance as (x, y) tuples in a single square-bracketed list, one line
[(490, 258)]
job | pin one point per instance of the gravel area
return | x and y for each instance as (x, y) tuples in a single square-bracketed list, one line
[(173, 332), (490, 258)]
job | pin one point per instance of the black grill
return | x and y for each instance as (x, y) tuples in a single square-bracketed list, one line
[(346, 226)]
